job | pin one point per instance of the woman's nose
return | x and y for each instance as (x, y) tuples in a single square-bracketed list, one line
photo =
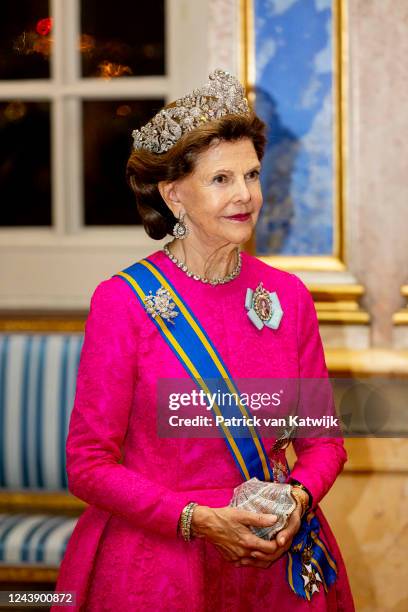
[(242, 191)]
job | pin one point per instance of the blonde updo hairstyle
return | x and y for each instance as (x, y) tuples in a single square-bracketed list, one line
[(145, 169)]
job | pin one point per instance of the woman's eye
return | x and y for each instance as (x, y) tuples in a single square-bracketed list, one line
[(220, 179)]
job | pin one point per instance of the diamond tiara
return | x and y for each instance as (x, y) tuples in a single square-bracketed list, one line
[(222, 95)]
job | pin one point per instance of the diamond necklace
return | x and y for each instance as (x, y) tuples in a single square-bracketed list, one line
[(215, 281)]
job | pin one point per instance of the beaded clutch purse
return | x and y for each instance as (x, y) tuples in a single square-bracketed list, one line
[(268, 497)]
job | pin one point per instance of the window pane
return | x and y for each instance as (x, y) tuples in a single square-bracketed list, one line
[(25, 180), (108, 127), (122, 38), (25, 39)]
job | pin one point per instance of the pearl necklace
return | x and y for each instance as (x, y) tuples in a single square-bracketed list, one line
[(216, 281)]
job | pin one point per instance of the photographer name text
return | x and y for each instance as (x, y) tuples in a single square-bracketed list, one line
[(324, 422)]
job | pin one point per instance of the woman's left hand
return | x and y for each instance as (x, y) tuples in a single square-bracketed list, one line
[(283, 542)]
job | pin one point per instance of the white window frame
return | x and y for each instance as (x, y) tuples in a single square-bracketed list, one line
[(58, 267)]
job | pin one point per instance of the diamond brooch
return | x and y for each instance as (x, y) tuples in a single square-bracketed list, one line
[(161, 303)]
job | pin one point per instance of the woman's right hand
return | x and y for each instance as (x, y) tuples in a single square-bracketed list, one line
[(228, 529)]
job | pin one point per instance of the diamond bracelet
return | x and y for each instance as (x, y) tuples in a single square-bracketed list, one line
[(185, 520)]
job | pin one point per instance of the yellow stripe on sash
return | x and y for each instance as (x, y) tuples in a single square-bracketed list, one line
[(192, 369), (219, 365), (290, 563), (326, 552)]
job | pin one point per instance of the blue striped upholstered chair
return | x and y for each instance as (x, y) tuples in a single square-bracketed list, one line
[(37, 512)]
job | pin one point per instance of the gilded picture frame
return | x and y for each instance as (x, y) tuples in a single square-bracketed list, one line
[(335, 260)]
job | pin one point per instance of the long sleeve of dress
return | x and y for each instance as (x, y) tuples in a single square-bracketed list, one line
[(104, 394), (321, 459)]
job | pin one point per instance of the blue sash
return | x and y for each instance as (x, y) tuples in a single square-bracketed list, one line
[(192, 346)]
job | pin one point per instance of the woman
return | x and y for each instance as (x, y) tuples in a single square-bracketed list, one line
[(159, 533)]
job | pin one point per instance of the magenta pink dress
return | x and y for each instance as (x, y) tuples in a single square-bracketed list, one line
[(124, 553)]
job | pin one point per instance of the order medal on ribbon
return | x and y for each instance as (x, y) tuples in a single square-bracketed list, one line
[(263, 307)]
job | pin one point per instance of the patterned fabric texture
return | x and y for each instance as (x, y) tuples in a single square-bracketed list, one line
[(37, 387), (34, 538)]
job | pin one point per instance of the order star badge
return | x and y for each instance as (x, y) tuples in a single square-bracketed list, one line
[(311, 579), (263, 307)]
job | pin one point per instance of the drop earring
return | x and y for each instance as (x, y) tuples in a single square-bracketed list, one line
[(180, 230)]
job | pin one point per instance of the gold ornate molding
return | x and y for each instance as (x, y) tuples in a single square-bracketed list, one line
[(52, 502), (42, 323), (386, 362), (401, 317), (28, 574), (327, 263), (339, 304)]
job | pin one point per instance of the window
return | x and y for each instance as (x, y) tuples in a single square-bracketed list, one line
[(75, 79)]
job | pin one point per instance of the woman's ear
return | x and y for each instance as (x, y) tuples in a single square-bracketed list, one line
[(168, 192)]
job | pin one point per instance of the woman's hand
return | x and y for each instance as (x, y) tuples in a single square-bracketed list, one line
[(282, 542), (228, 529), (285, 536)]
